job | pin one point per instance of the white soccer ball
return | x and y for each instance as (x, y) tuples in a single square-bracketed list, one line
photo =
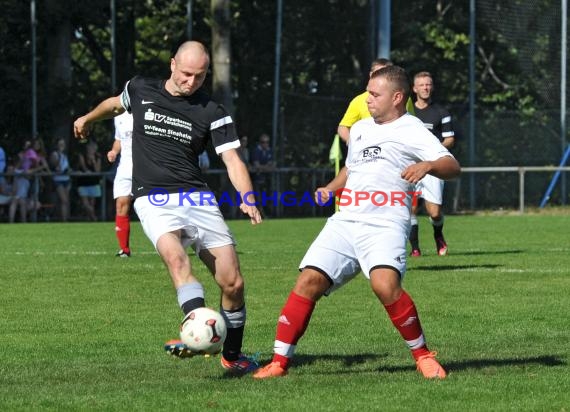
[(204, 331)]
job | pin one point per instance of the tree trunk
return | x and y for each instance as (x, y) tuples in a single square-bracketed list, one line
[(221, 53), (125, 42), (56, 105)]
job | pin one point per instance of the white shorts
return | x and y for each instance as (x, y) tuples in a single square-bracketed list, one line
[(203, 226), (343, 248), (431, 189), (122, 185)]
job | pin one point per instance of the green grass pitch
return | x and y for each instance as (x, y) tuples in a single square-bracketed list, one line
[(83, 330)]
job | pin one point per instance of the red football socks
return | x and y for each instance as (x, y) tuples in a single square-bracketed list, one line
[(123, 231), (404, 317), (293, 322)]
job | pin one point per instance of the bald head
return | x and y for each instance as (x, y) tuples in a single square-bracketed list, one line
[(192, 48), (189, 68)]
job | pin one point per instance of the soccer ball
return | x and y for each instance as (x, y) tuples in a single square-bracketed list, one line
[(203, 331)]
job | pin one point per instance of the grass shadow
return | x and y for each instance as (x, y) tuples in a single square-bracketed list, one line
[(345, 360), (349, 361), (546, 360), (440, 268), (489, 252)]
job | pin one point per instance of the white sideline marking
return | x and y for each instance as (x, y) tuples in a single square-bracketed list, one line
[(509, 270), (72, 252)]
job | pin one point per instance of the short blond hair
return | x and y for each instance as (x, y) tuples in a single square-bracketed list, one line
[(423, 74)]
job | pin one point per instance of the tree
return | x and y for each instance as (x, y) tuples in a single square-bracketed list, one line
[(326, 51), (221, 53), (57, 119)]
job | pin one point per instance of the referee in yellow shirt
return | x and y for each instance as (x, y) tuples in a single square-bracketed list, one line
[(358, 109)]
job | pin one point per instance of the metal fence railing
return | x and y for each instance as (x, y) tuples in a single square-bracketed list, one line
[(42, 197), (288, 192)]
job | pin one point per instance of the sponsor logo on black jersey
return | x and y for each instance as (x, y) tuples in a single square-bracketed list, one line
[(151, 116)]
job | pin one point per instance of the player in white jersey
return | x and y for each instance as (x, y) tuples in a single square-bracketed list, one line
[(122, 185), (387, 155)]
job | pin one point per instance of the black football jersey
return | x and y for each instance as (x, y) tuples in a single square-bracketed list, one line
[(170, 132), (437, 119)]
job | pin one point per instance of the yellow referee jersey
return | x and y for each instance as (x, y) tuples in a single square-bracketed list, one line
[(358, 110)]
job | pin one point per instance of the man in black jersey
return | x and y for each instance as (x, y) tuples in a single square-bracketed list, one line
[(438, 120), (173, 121)]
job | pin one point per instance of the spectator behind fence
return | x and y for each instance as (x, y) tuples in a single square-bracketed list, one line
[(2, 163), (5, 192), (40, 185), (262, 165), (42, 164), (26, 162), (204, 161), (243, 150), (89, 187), (225, 184), (62, 181), (5, 182)]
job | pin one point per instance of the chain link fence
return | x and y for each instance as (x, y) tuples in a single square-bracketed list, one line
[(527, 36)]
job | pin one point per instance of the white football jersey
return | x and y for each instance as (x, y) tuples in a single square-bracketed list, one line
[(377, 155), (124, 133)]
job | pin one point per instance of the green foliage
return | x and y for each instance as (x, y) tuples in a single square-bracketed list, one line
[(156, 41), (326, 49), (445, 39), (83, 330)]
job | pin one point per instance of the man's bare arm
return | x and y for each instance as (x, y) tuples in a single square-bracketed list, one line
[(107, 109)]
